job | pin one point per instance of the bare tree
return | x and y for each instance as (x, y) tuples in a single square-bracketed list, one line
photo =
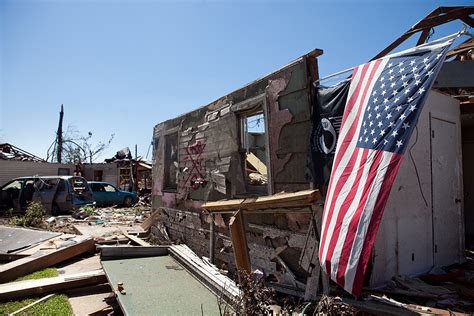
[(77, 148)]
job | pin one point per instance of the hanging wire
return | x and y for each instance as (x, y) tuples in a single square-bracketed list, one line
[(414, 165)]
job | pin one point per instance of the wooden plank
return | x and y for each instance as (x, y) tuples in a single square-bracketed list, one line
[(256, 163), (282, 200), (7, 257), (30, 288), (44, 259), (136, 240), (108, 253), (45, 298), (239, 242), (153, 218)]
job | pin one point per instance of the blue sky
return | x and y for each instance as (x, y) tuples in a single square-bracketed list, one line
[(123, 66)]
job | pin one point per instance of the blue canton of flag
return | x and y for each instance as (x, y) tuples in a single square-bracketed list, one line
[(394, 105)]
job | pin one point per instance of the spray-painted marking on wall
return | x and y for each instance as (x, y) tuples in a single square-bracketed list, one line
[(196, 174)]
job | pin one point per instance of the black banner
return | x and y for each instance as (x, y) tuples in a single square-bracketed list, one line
[(328, 109)]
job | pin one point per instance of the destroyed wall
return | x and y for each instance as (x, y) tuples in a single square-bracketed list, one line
[(198, 157), (109, 172), (422, 225), (14, 169)]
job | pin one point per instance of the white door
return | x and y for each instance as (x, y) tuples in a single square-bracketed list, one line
[(445, 164)]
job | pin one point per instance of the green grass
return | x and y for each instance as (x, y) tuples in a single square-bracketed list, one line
[(45, 273), (56, 305)]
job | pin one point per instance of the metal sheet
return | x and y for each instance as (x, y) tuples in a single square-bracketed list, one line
[(13, 239), (159, 286)]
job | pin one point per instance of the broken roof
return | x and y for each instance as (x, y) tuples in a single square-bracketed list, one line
[(10, 152)]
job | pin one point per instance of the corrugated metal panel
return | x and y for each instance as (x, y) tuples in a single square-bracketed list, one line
[(13, 169)]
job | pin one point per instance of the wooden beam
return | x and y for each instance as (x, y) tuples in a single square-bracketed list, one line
[(7, 257), (437, 17), (282, 200), (239, 242), (135, 239), (43, 259), (108, 253), (30, 288)]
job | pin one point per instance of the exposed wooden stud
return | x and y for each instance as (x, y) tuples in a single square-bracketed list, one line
[(239, 242)]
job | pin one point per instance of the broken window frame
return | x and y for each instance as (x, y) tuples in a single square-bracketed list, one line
[(245, 109), (170, 184)]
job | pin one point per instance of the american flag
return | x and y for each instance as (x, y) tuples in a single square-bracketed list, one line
[(385, 99)]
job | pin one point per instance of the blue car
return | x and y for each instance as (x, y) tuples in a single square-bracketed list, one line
[(105, 193)]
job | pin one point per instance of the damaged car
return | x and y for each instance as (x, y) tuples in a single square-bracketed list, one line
[(58, 194), (105, 194)]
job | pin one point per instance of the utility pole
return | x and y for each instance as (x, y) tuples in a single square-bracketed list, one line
[(60, 135)]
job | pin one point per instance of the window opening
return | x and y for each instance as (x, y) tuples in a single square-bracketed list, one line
[(171, 162), (255, 152)]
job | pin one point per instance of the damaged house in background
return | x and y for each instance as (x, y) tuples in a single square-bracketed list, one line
[(121, 170), (254, 142)]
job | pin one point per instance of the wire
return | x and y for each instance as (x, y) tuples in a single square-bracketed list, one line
[(414, 165)]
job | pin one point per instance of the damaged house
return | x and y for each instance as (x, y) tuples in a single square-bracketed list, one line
[(255, 141)]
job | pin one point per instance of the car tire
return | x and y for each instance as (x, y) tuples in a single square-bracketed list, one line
[(127, 202), (54, 210)]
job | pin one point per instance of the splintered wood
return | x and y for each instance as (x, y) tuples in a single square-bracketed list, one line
[(281, 200)]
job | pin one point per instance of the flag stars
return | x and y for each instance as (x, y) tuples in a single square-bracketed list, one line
[(382, 85), (385, 100), (417, 82), (389, 116), (406, 91), (425, 60), (398, 108), (372, 132), (438, 56), (371, 123), (382, 132), (375, 100), (400, 64), (422, 89), (387, 107), (430, 72), (394, 133), (394, 92), (403, 77), (414, 69), (391, 124), (393, 84), (401, 70), (390, 72), (374, 140), (402, 117), (383, 92), (405, 126), (399, 143), (377, 108), (405, 84), (412, 62), (391, 77), (412, 108), (374, 93), (378, 116), (416, 75), (410, 99), (396, 100), (379, 124)]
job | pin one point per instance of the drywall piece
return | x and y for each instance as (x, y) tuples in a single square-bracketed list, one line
[(13, 239)]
